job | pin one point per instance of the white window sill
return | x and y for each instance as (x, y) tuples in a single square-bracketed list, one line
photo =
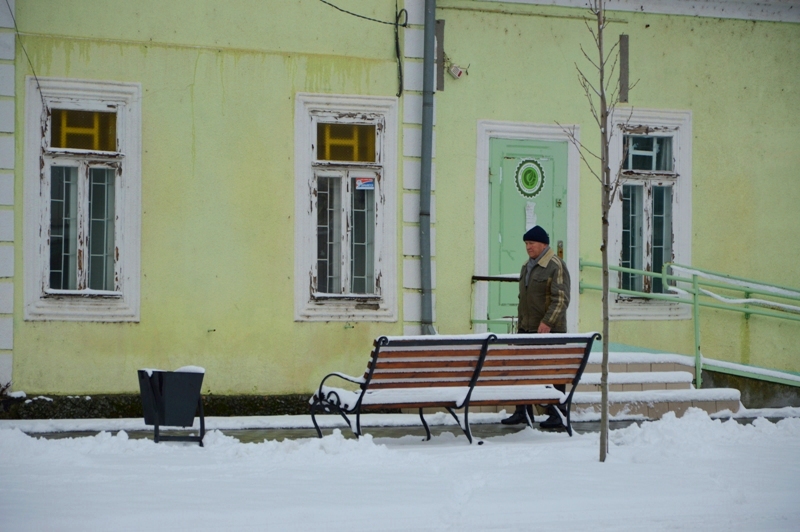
[(349, 309), (82, 308)]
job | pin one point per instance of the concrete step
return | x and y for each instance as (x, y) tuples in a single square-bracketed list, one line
[(653, 404), (641, 386), (619, 362), (648, 385), (637, 381)]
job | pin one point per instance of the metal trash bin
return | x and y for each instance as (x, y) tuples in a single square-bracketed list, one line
[(172, 398)]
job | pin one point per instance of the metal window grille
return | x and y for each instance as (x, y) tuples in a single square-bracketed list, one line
[(82, 232), (362, 264), (632, 235), (101, 228), (661, 244), (63, 227), (647, 236), (328, 235)]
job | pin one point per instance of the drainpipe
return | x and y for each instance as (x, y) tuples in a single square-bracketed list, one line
[(425, 171)]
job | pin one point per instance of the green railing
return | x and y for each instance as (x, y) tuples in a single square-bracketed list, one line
[(692, 288), (509, 322)]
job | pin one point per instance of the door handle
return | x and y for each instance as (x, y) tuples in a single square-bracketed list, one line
[(561, 249)]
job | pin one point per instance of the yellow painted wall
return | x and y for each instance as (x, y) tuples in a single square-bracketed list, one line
[(219, 80), (741, 80), (218, 84)]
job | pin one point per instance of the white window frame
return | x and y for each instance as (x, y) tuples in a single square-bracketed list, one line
[(309, 110), (41, 96), (650, 122)]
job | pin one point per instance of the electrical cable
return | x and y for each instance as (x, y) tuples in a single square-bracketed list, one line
[(395, 23), (398, 14), (402, 14)]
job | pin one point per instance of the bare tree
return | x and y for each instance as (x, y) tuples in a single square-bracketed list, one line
[(603, 97)]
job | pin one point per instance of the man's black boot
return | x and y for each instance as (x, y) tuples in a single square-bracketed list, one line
[(553, 420), (517, 418)]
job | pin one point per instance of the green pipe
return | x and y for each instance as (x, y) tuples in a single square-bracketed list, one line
[(696, 303), (508, 323), (726, 276), (751, 375), (675, 299), (662, 297), (751, 310), (670, 277)]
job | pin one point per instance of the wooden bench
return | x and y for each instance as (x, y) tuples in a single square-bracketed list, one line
[(459, 371)]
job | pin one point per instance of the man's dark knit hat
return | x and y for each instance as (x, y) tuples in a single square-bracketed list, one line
[(536, 234)]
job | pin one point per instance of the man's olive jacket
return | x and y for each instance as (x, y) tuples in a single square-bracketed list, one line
[(546, 297)]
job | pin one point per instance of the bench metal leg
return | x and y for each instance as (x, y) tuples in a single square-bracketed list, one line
[(465, 427), (566, 421), (425, 424), (529, 415), (316, 425), (328, 408), (202, 421)]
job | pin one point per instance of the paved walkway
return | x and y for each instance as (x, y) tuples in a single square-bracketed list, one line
[(258, 435)]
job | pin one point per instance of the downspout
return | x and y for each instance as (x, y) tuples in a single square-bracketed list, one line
[(425, 170)]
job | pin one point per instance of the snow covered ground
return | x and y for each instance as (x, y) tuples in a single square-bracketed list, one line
[(692, 472)]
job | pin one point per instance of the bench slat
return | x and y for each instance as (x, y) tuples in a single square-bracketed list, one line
[(426, 404), (526, 372), (413, 384), (522, 382), (491, 363), (382, 364), (465, 375), (526, 350), (430, 353)]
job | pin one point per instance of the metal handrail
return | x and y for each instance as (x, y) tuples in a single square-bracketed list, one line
[(691, 294)]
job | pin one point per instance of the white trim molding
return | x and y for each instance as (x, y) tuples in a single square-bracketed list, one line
[(41, 96), (487, 130), (382, 111)]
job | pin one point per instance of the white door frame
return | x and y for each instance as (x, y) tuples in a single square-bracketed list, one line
[(489, 129)]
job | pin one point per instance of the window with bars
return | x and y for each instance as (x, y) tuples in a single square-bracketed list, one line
[(650, 221), (83, 200), (646, 210), (346, 154), (83, 168), (65, 219), (346, 209)]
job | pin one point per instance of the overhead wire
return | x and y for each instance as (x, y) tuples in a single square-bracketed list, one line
[(399, 15), (33, 70), (395, 23)]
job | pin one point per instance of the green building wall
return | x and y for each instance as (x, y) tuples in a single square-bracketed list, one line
[(218, 84)]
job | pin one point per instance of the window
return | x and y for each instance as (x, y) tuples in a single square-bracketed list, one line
[(647, 183), (651, 215), (345, 204), (82, 190)]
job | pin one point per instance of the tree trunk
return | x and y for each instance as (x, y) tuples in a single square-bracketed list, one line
[(606, 202)]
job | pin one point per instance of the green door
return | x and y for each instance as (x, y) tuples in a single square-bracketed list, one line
[(528, 186)]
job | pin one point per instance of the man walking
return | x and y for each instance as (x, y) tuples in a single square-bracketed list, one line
[(543, 299)]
